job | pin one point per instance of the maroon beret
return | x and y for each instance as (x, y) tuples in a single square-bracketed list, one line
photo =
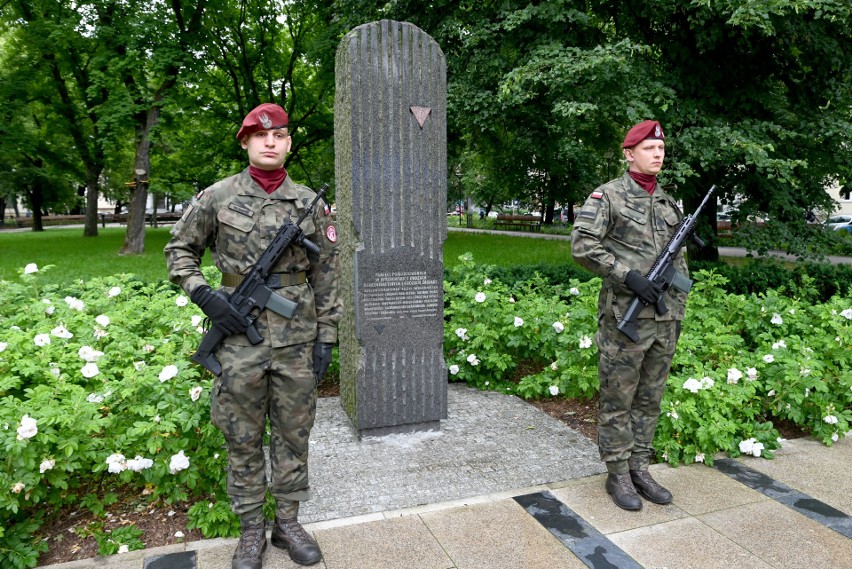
[(267, 116), (643, 131)]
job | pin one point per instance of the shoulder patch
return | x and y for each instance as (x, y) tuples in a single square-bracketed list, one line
[(596, 194), (331, 233)]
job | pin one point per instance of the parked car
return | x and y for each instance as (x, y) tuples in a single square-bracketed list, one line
[(843, 226), (836, 221)]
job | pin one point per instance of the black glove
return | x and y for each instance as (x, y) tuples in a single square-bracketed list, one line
[(215, 305), (322, 357), (647, 291)]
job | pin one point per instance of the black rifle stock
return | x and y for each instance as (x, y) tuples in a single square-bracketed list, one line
[(253, 295), (663, 272)]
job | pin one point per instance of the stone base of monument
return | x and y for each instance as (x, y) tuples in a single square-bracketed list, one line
[(431, 426)]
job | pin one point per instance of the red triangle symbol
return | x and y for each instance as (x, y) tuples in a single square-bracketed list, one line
[(421, 114)]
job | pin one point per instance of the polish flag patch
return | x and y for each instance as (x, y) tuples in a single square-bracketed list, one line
[(597, 195), (331, 233)]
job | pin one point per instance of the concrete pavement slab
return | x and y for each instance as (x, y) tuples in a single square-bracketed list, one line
[(699, 489), (685, 544), (386, 544), (813, 468), (590, 501), (497, 535), (780, 536)]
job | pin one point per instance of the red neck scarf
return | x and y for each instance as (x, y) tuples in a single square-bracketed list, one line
[(268, 179), (646, 181)]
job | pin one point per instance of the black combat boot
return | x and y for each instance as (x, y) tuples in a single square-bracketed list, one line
[(649, 488), (249, 553), (620, 487), (290, 535)]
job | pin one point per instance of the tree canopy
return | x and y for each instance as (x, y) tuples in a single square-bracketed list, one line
[(755, 97)]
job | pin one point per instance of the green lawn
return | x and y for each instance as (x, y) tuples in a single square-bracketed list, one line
[(78, 257)]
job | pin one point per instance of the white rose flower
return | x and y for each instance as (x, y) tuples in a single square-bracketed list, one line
[(195, 392), (90, 370), (46, 464), (462, 333), (30, 269), (472, 359), (196, 320), (454, 369), (480, 297), (830, 419), (74, 303), (117, 463), (89, 354), (692, 385), (769, 358), (18, 488), (751, 374), (113, 292), (103, 320), (139, 464), (123, 548), (847, 313), (28, 428), (518, 322), (574, 291), (3, 346), (746, 446), (554, 390), (95, 398), (178, 462), (54, 369), (61, 332), (559, 327), (486, 282), (834, 437), (179, 534), (776, 319), (168, 373), (554, 366), (181, 300), (699, 457), (42, 340), (779, 344), (756, 449), (734, 375), (585, 342)]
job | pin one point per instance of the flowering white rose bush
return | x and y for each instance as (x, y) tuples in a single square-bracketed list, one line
[(77, 403), (520, 325), (797, 368), (722, 390)]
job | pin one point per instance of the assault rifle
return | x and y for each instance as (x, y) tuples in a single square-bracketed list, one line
[(663, 272), (253, 295)]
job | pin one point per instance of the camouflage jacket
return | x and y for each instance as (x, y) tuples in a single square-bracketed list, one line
[(237, 220), (622, 227)]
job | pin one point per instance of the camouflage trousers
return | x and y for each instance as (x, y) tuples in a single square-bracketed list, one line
[(632, 380), (260, 383)]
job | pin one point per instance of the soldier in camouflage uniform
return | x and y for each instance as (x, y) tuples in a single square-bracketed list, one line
[(619, 232), (236, 219)]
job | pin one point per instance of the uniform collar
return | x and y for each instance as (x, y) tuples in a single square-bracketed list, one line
[(248, 187)]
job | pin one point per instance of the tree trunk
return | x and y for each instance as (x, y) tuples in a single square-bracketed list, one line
[(91, 226), (134, 239), (36, 198)]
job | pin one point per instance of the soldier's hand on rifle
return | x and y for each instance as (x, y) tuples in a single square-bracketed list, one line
[(322, 357), (215, 305), (647, 291)]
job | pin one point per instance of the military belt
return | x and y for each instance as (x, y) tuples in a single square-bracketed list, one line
[(274, 280)]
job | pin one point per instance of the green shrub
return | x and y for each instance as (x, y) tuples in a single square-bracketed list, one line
[(742, 360)]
